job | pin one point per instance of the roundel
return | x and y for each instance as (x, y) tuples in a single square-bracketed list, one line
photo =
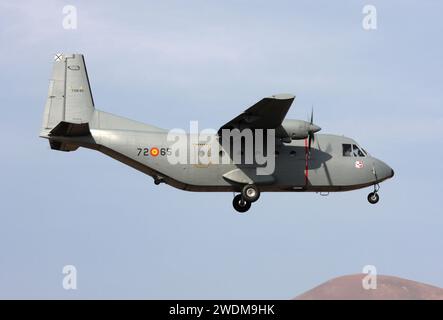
[(154, 152)]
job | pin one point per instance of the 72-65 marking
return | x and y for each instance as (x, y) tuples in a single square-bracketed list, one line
[(154, 151)]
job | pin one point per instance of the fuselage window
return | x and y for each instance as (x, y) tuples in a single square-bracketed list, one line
[(347, 150), (356, 151)]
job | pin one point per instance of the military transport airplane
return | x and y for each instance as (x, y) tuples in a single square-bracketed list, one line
[(303, 161)]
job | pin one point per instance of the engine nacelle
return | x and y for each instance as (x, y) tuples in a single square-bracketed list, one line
[(296, 129)]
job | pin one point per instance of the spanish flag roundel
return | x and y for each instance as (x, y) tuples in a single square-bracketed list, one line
[(154, 152)]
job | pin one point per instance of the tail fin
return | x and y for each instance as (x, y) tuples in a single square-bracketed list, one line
[(69, 106)]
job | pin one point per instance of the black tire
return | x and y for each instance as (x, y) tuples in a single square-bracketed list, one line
[(250, 193), (240, 204), (373, 197)]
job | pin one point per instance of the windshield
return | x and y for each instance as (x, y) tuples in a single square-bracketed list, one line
[(353, 150), (356, 151)]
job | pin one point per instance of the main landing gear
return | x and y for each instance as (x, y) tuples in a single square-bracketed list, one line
[(242, 202), (373, 196)]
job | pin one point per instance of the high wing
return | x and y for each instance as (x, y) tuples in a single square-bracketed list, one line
[(268, 113)]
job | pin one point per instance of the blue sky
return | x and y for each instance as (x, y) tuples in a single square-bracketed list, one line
[(169, 62)]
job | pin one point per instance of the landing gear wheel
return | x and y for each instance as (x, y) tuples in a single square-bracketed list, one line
[(240, 204), (250, 193), (373, 197)]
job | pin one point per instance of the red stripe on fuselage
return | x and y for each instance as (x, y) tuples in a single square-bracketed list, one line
[(306, 163)]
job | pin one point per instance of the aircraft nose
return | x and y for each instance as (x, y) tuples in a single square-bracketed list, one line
[(383, 170)]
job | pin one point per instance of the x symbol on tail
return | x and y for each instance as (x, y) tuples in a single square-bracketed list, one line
[(58, 57)]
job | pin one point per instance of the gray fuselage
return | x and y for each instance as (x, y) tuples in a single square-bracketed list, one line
[(326, 169)]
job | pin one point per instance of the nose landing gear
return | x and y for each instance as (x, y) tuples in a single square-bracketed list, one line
[(373, 197)]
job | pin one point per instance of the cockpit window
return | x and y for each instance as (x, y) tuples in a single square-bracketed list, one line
[(347, 150), (356, 151), (364, 151), (352, 150)]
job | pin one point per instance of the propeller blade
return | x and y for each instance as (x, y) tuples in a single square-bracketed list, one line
[(311, 133), (311, 139), (312, 130), (312, 115)]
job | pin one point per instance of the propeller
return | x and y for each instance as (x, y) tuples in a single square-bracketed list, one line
[(312, 130)]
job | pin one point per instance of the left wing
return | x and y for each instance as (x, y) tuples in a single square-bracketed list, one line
[(268, 113)]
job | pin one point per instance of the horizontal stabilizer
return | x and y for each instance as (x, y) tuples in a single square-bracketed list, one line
[(67, 129), (62, 146)]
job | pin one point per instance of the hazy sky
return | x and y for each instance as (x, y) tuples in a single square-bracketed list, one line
[(168, 62)]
